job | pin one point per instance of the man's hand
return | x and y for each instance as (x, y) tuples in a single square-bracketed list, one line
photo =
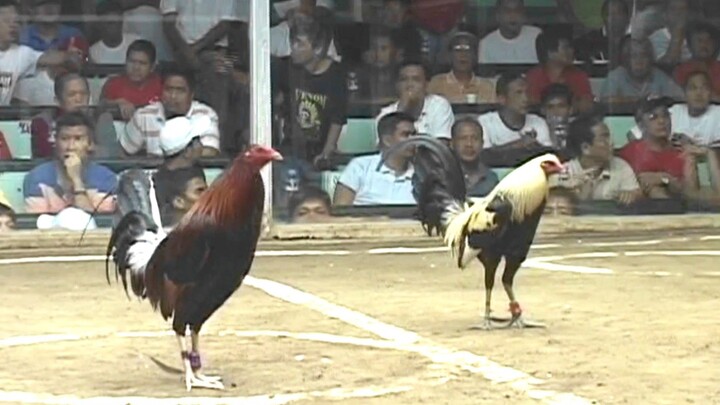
[(627, 197), (127, 109), (409, 99), (73, 168), (650, 180)]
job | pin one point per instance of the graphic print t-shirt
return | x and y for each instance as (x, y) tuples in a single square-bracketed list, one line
[(316, 102), (15, 62)]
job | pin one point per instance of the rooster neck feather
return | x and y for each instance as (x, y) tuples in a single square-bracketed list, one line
[(227, 202), (525, 187)]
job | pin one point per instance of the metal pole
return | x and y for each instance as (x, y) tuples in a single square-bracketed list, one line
[(260, 94)]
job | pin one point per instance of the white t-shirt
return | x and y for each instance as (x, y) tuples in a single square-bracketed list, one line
[(495, 48), (373, 186), (146, 22), (143, 130), (496, 133), (436, 118), (16, 62), (36, 90), (660, 41), (103, 54), (195, 18), (703, 130)]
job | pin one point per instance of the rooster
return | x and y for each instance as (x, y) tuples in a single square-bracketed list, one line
[(499, 225), (191, 271)]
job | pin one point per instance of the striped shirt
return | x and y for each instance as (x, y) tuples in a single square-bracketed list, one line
[(143, 130)]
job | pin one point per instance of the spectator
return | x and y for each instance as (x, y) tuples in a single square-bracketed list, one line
[(433, 114), (362, 183), (460, 85), (142, 132), (138, 86), (309, 205), (396, 16), (467, 142), (280, 35), (669, 44), (704, 42), (557, 109), (71, 179), (21, 61), (144, 19), (637, 78), (236, 132), (112, 47), (72, 93), (663, 169), (8, 219), (560, 201), (181, 188), (513, 41), (378, 74), (511, 127), (594, 173), (317, 94), (438, 22), (556, 56), (603, 45), (46, 32)]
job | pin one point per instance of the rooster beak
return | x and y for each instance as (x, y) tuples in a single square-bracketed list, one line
[(277, 156)]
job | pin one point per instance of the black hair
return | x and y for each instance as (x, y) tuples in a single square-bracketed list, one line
[(548, 41), (62, 81), (465, 120), (415, 63), (556, 90), (503, 82), (173, 183), (175, 70), (306, 193), (144, 46), (109, 7), (6, 209), (317, 30), (75, 119), (388, 123), (697, 73), (701, 27), (580, 132), (604, 9)]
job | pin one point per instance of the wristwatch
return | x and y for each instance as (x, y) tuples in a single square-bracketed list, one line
[(665, 181), (81, 191)]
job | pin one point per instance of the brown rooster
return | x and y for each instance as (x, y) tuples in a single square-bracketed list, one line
[(190, 272)]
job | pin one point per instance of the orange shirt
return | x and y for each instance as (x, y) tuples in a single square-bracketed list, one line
[(448, 86)]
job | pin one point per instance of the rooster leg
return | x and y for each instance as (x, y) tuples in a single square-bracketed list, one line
[(191, 380), (490, 264), (511, 267), (196, 364)]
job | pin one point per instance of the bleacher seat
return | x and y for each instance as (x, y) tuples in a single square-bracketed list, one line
[(96, 85), (358, 136), (619, 126), (11, 183), (17, 136)]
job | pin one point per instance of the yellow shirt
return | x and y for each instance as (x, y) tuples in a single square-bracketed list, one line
[(446, 85)]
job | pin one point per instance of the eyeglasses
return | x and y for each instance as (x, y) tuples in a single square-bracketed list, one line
[(462, 47)]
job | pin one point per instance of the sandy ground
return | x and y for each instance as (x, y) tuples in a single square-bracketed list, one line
[(645, 331)]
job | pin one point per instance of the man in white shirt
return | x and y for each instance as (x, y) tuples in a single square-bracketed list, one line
[(513, 41), (142, 132), (669, 43), (18, 61), (433, 114), (511, 127), (113, 44), (594, 173), (363, 183)]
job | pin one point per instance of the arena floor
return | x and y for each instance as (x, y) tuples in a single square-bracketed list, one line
[(629, 321)]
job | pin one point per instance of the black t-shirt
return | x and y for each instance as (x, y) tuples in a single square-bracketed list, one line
[(315, 103)]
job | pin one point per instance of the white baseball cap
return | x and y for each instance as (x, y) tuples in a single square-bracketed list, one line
[(178, 132)]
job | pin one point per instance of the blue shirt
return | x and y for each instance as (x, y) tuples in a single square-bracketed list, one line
[(96, 177), (30, 36)]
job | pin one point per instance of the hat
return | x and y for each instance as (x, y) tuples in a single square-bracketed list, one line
[(463, 35), (650, 104), (179, 132)]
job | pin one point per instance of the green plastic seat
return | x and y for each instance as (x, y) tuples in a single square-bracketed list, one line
[(17, 136), (11, 183), (358, 136)]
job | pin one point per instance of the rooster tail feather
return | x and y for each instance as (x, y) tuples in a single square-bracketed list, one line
[(131, 245), (136, 192), (438, 181)]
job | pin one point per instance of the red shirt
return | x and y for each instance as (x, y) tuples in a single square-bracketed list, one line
[(643, 159), (121, 87), (683, 70), (578, 81), (437, 16), (4, 148)]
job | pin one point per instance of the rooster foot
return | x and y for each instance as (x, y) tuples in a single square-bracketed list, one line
[(490, 323), (197, 380), (522, 323)]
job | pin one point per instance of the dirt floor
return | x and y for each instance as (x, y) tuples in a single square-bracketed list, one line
[(632, 324)]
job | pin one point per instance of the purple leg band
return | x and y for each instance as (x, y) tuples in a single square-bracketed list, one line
[(195, 360)]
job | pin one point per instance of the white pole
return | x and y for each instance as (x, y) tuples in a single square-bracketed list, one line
[(260, 94)]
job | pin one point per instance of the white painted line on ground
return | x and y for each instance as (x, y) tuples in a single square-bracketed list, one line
[(549, 266), (492, 371), (393, 250), (636, 242), (710, 237), (675, 253), (291, 253)]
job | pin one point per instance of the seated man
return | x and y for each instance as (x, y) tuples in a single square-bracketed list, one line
[(309, 205), (514, 40), (377, 76), (704, 42), (467, 141), (71, 180), (663, 170), (557, 109), (594, 173), (142, 133), (362, 183)]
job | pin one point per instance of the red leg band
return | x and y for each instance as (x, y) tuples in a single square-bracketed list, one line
[(515, 309)]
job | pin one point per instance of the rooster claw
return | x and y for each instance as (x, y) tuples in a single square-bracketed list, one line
[(203, 381), (489, 323), (521, 323)]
